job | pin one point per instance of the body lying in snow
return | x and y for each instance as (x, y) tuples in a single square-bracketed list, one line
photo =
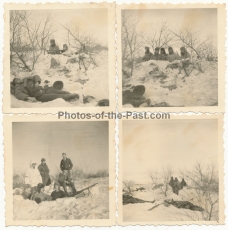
[(29, 89), (40, 196)]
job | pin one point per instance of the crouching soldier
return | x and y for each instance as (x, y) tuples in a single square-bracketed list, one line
[(64, 180), (57, 193)]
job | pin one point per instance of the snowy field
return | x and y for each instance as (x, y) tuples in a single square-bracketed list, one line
[(94, 83), (95, 206), (197, 89), (158, 211)]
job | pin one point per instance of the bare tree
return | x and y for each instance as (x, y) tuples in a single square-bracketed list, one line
[(132, 41), (161, 36), (128, 186), (193, 40), (203, 179), (161, 179), (82, 41), (28, 38)]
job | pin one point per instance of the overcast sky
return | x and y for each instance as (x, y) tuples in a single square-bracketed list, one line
[(94, 21), (204, 19), (147, 145), (85, 142)]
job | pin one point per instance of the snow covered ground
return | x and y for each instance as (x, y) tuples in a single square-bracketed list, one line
[(141, 211), (92, 207), (198, 89), (93, 83)]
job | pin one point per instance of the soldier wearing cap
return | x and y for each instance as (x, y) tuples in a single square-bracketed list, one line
[(44, 172)]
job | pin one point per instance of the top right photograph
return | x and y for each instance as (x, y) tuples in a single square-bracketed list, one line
[(172, 57)]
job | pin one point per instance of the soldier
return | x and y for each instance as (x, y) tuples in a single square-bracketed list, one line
[(172, 56), (64, 180), (185, 56), (171, 182), (53, 48), (148, 55), (163, 55), (32, 177), (156, 55), (176, 186), (44, 172), (183, 183)]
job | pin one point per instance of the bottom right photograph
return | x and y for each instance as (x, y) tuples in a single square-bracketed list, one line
[(171, 171)]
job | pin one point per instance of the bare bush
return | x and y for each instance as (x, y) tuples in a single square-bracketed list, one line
[(28, 38), (18, 179), (193, 40), (129, 186), (162, 179), (160, 37), (83, 173), (205, 183), (83, 42)]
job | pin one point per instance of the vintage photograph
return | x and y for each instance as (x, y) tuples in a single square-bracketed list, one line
[(169, 56), (60, 171), (171, 172), (59, 57)]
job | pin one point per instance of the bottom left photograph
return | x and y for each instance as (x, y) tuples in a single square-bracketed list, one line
[(59, 170)]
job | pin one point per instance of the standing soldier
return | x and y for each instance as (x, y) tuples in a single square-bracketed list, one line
[(176, 186), (183, 183), (44, 172), (171, 183), (32, 177), (66, 163)]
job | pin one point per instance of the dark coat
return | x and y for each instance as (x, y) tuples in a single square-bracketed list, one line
[(29, 84), (44, 172), (148, 56), (53, 49), (57, 194), (19, 91), (176, 186), (171, 182), (156, 57), (184, 53), (183, 184), (66, 165), (173, 57)]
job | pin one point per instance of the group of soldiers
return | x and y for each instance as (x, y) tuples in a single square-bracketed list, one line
[(160, 54), (54, 48), (36, 178), (176, 185)]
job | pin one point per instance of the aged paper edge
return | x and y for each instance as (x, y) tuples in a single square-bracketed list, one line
[(111, 46), (221, 176), (8, 170), (221, 56)]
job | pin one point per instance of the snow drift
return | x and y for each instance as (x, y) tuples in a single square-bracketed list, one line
[(171, 88), (93, 83), (95, 206)]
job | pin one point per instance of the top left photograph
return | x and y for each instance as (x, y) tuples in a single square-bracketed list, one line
[(59, 56)]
